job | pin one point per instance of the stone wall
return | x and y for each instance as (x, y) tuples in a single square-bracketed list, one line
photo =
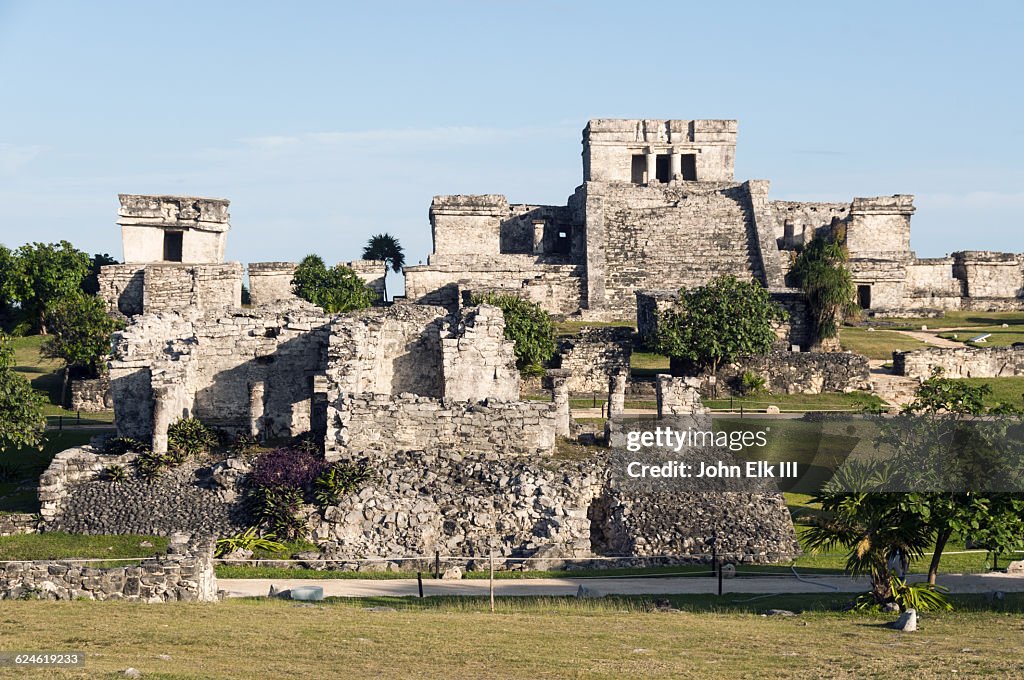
[(477, 362), (67, 469), (798, 222), (91, 395), (186, 575), (198, 288), (386, 424), (14, 524), (270, 282), (120, 286), (202, 222), (592, 355), (797, 373), (987, 274), (960, 362)]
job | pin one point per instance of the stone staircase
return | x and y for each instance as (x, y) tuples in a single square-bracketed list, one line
[(895, 390)]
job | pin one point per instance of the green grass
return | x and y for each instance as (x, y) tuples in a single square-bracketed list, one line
[(525, 638), (954, 319), (1004, 390), (55, 545), (1000, 337), (648, 363), (45, 375), (563, 328), (878, 344), (19, 494), (799, 402)]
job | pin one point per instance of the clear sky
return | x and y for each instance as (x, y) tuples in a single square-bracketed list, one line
[(326, 122)]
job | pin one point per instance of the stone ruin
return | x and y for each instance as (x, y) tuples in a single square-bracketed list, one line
[(659, 209), (427, 395)]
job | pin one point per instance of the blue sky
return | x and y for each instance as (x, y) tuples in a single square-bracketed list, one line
[(326, 122)]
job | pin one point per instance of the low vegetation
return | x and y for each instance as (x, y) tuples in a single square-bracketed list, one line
[(529, 327), (877, 344)]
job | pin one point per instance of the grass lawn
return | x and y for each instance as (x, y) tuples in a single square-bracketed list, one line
[(999, 336), (878, 344), (23, 467), (799, 402), (648, 363), (526, 637), (563, 328), (955, 319), (1004, 390), (58, 545), (45, 375)]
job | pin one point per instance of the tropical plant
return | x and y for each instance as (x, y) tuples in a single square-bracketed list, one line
[(80, 336), (151, 464), (820, 271), (716, 323), (116, 474), (752, 383), (923, 597), (337, 289), (278, 509), (116, 446), (338, 481), (189, 437), (528, 326), (281, 481), (385, 247), (251, 540), (22, 422)]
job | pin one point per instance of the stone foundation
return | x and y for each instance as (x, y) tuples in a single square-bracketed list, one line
[(960, 362), (14, 524), (91, 395), (593, 355)]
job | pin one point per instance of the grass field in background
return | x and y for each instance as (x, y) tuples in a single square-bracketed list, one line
[(46, 376), (525, 637), (952, 319), (21, 468), (879, 344)]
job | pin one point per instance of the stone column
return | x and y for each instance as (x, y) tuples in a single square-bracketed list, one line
[(538, 237), (652, 166), (616, 394), (558, 383), (256, 390), (677, 165), (163, 408)]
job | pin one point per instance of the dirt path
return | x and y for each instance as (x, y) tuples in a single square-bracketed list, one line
[(930, 338)]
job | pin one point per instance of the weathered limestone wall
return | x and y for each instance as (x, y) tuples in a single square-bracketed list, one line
[(197, 288), (930, 285), (879, 227), (798, 222), (121, 285), (270, 282), (370, 271), (989, 274), (797, 373), (211, 367), (15, 524), (610, 146), (592, 355), (671, 236), (477, 361), (203, 223), (960, 362), (386, 424), (186, 575), (91, 395)]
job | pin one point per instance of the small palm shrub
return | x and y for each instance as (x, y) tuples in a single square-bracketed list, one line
[(188, 438), (751, 383), (250, 539), (338, 481), (117, 446), (150, 464), (115, 474)]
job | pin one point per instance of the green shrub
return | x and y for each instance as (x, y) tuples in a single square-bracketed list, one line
[(188, 438), (277, 508), (117, 446), (115, 474), (337, 289), (250, 539), (528, 326), (150, 464), (923, 597), (752, 383), (338, 481)]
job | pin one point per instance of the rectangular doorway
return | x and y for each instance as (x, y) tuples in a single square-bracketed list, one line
[(172, 246), (688, 163), (638, 170), (864, 296), (663, 167)]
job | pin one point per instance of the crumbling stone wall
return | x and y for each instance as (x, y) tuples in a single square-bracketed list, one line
[(477, 361), (960, 362), (386, 424), (17, 523), (797, 373), (153, 288), (592, 355), (91, 395), (270, 282), (186, 575), (987, 274)]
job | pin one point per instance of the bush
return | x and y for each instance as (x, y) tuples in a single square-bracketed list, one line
[(752, 383), (338, 481), (150, 464), (118, 446), (115, 474), (529, 327), (281, 481), (337, 289), (250, 539), (188, 438), (923, 597)]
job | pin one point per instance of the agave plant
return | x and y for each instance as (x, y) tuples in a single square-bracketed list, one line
[(250, 539)]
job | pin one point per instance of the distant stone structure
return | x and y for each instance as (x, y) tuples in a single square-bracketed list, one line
[(960, 362), (659, 209)]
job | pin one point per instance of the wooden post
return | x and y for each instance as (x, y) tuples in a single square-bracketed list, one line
[(437, 564), (419, 581), (491, 586)]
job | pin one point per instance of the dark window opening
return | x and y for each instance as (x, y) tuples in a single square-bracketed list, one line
[(172, 246), (663, 167), (639, 169), (689, 166), (562, 243), (864, 296)]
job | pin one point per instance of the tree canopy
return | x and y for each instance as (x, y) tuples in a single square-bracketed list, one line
[(528, 326), (820, 271), (22, 422), (387, 248), (718, 322), (36, 275), (337, 289), (80, 330)]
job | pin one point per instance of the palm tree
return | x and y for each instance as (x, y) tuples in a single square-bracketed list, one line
[(387, 248)]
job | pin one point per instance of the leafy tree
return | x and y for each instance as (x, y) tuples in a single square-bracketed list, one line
[(80, 336), (820, 271), (528, 326), (22, 422), (7, 290), (91, 282), (718, 322), (387, 248), (337, 289), (44, 273)]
